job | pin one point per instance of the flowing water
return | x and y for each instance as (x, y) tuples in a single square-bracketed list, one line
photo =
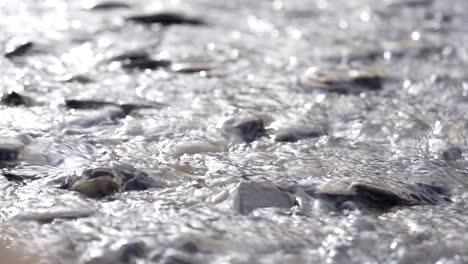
[(250, 57)]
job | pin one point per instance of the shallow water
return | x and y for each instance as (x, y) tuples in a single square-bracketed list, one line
[(258, 49)]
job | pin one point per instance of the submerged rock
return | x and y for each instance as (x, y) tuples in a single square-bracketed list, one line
[(94, 104), (109, 5), (452, 153), (17, 50), (16, 99), (349, 195), (342, 81), (165, 19), (296, 133), (247, 129), (253, 195), (10, 152), (104, 181), (191, 67), (197, 146), (145, 64)]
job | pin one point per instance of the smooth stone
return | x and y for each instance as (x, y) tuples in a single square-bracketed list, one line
[(16, 99), (109, 5), (131, 56), (97, 187), (191, 67), (18, 50), (10, 152), (297, 133), (452, 154), (104, 181), (248, 129), (165, 19), (350, 194), (253, 195), (197, 146), (79, 78), (146, 64), (342, 81), (86, 104)]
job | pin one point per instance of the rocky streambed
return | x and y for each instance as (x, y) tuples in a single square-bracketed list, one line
[(234, 131)]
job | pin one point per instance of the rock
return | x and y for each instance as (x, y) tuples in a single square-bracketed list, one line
[(10, 152), (253, 195), (104, 181), (410, 3), (197, 146), (109, 5), (247, 129), (125, 254), (130, 56), (17, 50), (165, 19), (145, 64), (86, 104), (79, 78), (296, 133), (15, 99), (191, 67), (126, 108), (452, 154), (349, 195), (342, 81)]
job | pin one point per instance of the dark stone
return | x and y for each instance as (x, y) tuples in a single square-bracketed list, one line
[(9, 153), (131, 251), (190, 247), (131, 56), (145, 64), (345, 195), (297, 133), (452, 154), (15, 99), (253, 195), (86, 104), (19, 50), (165, 19), (248, 129), (104, 181), (110, 5)]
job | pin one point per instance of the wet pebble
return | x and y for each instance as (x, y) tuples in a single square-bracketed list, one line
[(247, 129), (296, 133), (191, 67), (197, 146), (18, 49), (16, 99), (342, 81), (10, 152), (104, 181), (145, 64), (110, 5), (351, 195), (126, 108), (253, 195), (452, 154), (165, 19)]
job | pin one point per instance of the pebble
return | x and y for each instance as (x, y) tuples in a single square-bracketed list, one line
[(10, 152), (191, 67), (197, 146), (253, 195), (109, 5), (165, 19), (247, 129), (17, 50), (126, 108), (15, 99), (349, 195), (342, 81), (296, 133), (103, 181), (452, 154), (145, 64)]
